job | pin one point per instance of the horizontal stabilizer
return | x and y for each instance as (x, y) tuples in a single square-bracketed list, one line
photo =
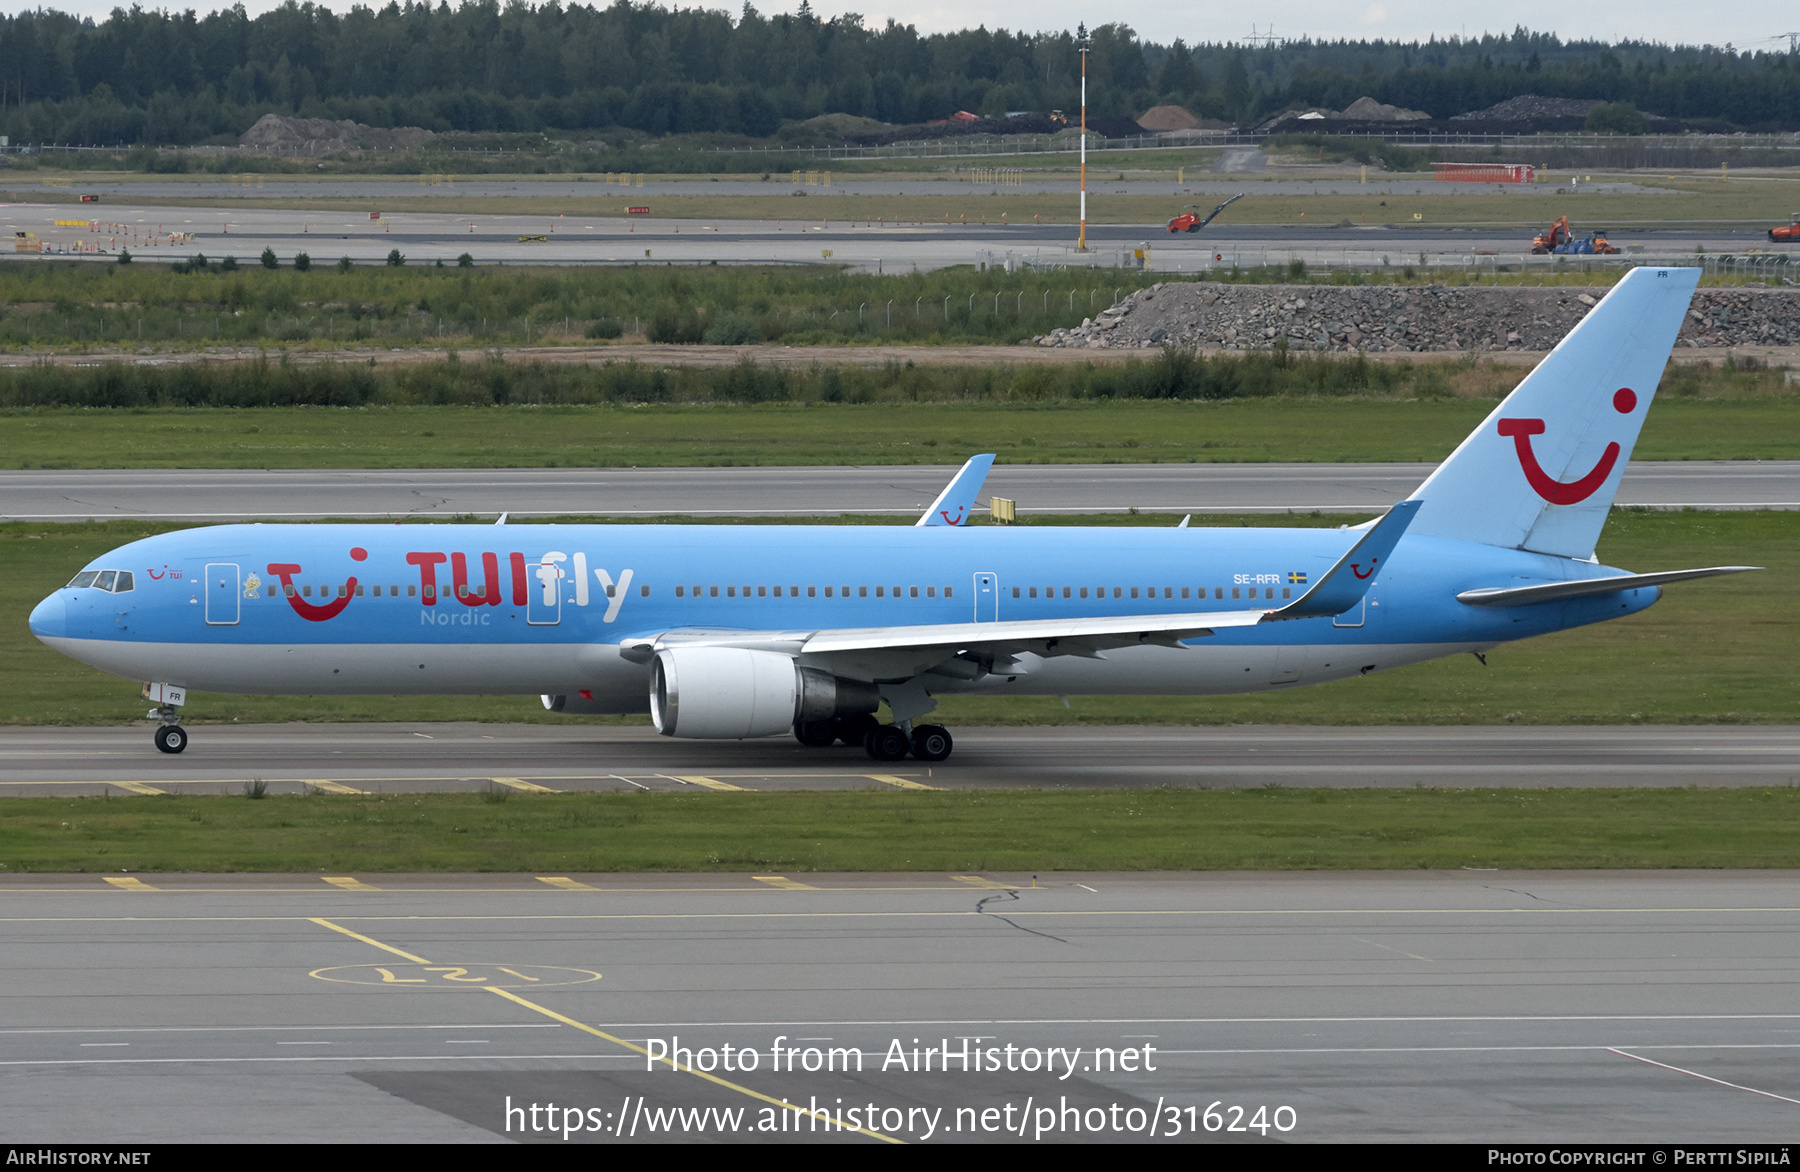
[(957, 502), (1345, 583), (1582, 587)]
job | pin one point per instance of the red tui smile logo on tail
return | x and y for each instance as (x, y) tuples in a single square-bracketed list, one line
[(1555, 491)]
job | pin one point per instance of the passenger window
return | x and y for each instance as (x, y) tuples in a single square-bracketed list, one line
[(731, 591), (271, 592), (761, 592), (1287, 592), (679, 591), (712, 591), (124, 583), (1219, 592), (1234, 591), (1118, 593), (1084, 591), (912, 591), (411, 591), (1134, 591), (862, 591), (948, 592), (1169, 592), (1066, 592), (430, 591), (828, 592), (793, 591), (643, 591), (931, 591), (1016, 592), (1184, 591), (83, 579), (813, 591), (879, 592), (306, 591)]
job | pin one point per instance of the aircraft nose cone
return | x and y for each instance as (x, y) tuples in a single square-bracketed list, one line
[(50, 618)]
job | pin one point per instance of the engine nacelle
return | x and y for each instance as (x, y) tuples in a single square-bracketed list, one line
[(732, 693)]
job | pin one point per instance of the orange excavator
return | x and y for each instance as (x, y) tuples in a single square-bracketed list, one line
[(1561, 241), (1786, 231)]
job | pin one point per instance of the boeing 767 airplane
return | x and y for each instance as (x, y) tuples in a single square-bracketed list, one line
[(732, 631)]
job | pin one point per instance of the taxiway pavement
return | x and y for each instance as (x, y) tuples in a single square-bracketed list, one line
[(1500, 1007), (403, 758), (230, 494)]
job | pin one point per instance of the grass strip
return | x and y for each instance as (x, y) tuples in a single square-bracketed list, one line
[(1718, 651), (1302, 430), (1033, 831)]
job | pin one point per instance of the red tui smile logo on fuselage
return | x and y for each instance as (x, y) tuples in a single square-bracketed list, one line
[(1555, 491)]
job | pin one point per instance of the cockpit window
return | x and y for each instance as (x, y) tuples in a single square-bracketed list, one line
[(124, 582), (105, 580), (85, 578)]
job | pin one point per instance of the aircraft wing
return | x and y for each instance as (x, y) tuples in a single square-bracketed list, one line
[(922, 645), (1581, 587), (954, 505)]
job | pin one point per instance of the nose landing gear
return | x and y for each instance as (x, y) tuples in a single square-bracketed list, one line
[(171, 738)]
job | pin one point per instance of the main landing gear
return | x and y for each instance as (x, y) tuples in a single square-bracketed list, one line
[(883, 742)]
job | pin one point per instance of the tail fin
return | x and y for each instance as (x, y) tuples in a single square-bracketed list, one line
[(957, 502), (1541, 472)]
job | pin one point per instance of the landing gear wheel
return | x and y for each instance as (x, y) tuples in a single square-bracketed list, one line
[(171, 738), (887, 742), (931, 742), (854, 730), (816, 734)]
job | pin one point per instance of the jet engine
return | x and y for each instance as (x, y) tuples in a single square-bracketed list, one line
[(733, 693)]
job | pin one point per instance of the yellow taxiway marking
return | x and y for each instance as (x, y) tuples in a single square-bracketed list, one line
[(783, 882), (708, 782), (520, 783), (137, 787), (332, 787), (564, 882), (822, 1116), (984, 884), (348, 883), (128, 884), (895, 780), (367, 940), (780, 1104)]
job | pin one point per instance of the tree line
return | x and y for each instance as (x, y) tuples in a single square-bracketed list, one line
[(160, 77)]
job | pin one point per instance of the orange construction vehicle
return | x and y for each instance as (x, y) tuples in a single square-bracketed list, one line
[(1562, 242), (1786, 231)]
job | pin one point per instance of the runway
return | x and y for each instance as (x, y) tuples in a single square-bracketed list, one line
[(1495, 1007), (294, 495), (440, 757), (809, 237)]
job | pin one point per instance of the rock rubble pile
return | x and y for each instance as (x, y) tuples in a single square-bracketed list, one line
[(1377, 318)]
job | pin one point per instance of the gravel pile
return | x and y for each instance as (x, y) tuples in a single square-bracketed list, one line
[(1382, 318)]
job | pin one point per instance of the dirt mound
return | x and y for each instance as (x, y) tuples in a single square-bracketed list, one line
[(321, 136), (1530, 108), (1168, 118), (1367, 109)]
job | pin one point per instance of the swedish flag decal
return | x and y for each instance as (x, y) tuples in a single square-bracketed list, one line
[(1297, 579)]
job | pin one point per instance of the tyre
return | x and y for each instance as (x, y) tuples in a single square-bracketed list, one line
[(887, 742), (816, 734), (931, 742), (854, 730), (171, 738)]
